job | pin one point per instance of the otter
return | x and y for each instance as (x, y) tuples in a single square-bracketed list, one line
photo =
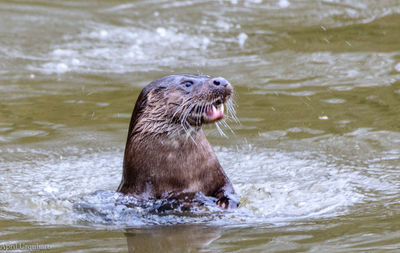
[(166, 152)]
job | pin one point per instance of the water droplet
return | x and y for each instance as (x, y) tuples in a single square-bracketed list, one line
[(242, 37), (284, 3), (161, 31), (103, 33)]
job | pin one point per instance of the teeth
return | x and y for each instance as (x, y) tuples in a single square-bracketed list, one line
[(214, 109), (219, 107)]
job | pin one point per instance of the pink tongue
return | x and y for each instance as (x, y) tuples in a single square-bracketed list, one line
[(215, 114)]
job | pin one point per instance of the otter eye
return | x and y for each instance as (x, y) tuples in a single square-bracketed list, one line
[(188, 83)]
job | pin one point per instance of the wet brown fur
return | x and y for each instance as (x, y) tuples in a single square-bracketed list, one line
[(166, 150)]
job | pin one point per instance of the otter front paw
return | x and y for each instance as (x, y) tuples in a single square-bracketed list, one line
[(226, 203)]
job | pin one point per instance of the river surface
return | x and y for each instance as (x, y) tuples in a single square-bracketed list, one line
[(315, 158)]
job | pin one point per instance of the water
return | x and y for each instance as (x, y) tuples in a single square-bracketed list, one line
[(315, 158)]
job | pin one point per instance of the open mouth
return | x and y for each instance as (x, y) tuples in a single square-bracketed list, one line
[(207, 113), (214, 111)]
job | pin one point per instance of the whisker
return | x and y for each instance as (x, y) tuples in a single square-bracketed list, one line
[(187, 130), (196, 109), (220, 130), (223, 122), (230, 107), (184, 117), (188, 110), (202, 110), (181, 107)]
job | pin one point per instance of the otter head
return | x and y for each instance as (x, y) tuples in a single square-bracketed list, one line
[(180, 103)]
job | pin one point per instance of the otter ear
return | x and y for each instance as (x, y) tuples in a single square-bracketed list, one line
[(160, 88), (156, 93)]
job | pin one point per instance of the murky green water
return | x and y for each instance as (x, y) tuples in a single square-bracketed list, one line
[(315, 159)]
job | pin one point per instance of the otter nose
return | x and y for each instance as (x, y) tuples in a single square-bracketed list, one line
[(219, 81)]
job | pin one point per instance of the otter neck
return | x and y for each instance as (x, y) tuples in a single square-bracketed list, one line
[(165, 131)]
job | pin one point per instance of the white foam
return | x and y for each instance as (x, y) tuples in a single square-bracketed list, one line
[(335, 101), (284, 3), (63, 52), (273, 185), (122, 49), (61, 68), (76, 61), (397, 67), (161, 31)]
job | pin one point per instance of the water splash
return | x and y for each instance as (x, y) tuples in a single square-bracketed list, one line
[(274, 185)]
